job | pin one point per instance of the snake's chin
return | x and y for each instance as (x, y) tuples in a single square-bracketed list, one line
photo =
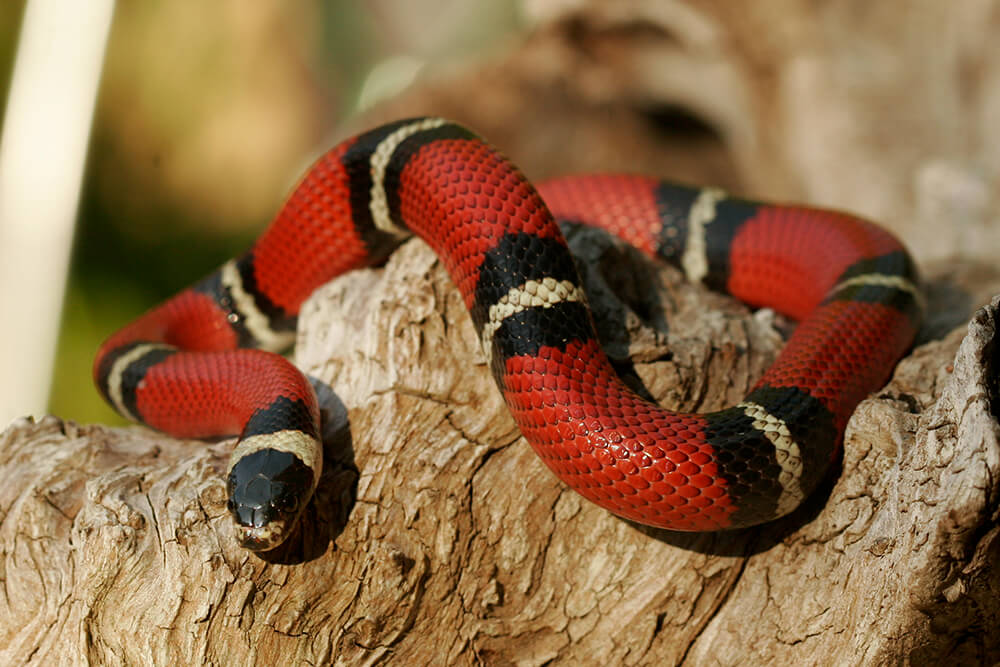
[(263, 538)]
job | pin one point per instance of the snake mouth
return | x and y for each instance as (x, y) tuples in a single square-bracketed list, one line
[(263, 538)]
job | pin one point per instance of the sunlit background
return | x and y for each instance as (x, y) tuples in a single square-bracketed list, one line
[(205, 114)]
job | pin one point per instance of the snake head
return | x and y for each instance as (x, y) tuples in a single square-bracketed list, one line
[(268, 489)]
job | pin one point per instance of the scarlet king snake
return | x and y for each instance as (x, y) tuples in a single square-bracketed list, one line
[(181, 367)]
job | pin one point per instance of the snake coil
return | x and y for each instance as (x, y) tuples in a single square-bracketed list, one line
[(203, 363)]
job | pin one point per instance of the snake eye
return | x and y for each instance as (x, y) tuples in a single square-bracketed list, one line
[(286, 502)]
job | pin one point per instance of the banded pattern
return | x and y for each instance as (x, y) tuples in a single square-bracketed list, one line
[(851, 284)]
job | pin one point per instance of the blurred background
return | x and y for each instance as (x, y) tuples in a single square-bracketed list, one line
[(206, 114)]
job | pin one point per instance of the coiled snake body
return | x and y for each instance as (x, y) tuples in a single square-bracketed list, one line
[(189, 367)]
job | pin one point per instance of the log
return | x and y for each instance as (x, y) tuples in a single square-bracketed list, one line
[(437, 537)]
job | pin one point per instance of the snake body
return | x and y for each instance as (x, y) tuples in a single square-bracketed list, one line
[(203, 363)]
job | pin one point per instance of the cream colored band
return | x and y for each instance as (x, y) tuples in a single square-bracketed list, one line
[(378, 203), (117, 373), (883, 280), (694, 261), (256, 322), (543, 293), (295, 442), (786, 451)]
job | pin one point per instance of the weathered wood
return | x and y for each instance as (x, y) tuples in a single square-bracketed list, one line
[(437, 533), (438, 537)]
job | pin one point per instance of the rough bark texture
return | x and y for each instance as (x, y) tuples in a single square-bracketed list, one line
[(437, 536)]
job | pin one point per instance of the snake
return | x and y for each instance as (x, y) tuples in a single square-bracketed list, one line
[(207, 362)]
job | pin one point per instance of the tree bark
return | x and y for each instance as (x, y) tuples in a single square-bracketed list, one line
[(436, 535)]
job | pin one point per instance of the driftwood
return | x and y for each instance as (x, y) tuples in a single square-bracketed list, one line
[(437, 537)]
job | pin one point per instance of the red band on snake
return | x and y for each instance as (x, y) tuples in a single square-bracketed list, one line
[(183, 367)]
